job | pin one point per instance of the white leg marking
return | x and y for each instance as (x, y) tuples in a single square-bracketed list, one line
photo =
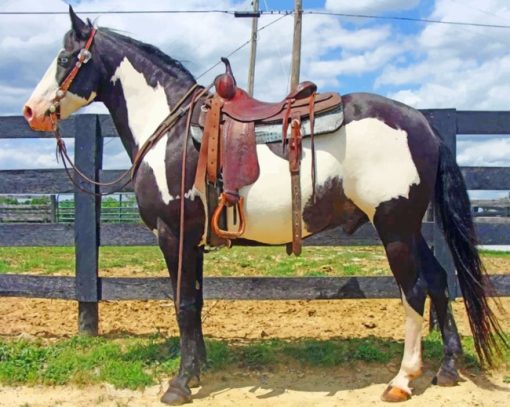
[(146, 107), (268, 201), (411, 361), (378, 165)]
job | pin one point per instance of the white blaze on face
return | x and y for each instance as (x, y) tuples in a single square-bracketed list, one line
[(46, 90), (378, 165), (47, 87), (411, 361), (146, 108)]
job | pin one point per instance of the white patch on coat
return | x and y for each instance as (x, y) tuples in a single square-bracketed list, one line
[(371, 158), (71, 103), (146, 107), (378, 164), (411, 361), (268, 201)]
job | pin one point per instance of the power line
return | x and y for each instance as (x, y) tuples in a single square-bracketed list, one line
[(270, 12), (244, 44), (410, 19)]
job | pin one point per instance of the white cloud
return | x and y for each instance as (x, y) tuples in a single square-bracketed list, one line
[(494, 152), (457, 66), (369, 6)]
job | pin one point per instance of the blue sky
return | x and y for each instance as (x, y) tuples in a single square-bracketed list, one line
[(423, 65)]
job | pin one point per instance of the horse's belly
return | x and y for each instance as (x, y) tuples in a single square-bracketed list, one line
[(268, 202)]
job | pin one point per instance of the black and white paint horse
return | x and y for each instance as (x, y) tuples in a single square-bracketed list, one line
[(383, 166)]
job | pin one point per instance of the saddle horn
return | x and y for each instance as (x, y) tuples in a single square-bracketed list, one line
[(225, 83)]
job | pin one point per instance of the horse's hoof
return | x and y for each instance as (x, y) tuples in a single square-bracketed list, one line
[(194, 382), (446, 377), (394, 395), (175, 396)]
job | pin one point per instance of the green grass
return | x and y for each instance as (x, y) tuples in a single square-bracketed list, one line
[(495, 253), (238, 261), (135, 363), (262, 261)]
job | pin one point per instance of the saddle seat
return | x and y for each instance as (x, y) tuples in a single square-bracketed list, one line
[(245, 108)]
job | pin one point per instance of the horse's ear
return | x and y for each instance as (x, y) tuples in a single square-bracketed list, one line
[(81, 28)]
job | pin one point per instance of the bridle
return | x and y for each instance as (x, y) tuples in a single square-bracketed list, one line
[(176, 113), (84, 56)]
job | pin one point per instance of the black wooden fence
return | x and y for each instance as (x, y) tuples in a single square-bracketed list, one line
[(87, 233)]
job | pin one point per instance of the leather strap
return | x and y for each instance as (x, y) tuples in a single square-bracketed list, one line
[(183, 199), (295, 148), (213, 135), (311, 114)]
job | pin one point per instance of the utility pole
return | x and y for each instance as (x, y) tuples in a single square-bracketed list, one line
[(253, 53), (296, 45)]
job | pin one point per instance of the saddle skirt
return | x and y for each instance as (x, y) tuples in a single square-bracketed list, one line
[(266, 133)]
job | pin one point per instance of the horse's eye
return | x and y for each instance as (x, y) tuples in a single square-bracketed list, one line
[(63, 61)]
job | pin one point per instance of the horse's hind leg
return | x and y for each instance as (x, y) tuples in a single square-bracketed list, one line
[(400, 238), (402, 260), (188, 314), (437, 288)]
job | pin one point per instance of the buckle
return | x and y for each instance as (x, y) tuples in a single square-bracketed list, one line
[(84, 56)]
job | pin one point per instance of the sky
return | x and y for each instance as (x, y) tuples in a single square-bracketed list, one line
[(423, 65)]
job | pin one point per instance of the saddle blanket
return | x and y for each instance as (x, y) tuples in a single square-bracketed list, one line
[(326, 122)]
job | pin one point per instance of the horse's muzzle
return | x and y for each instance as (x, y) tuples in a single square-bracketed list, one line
[(36, 120)]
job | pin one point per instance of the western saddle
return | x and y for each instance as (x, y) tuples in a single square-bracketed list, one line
[(228, 156)]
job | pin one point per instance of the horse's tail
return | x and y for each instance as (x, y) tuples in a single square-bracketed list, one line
[(453, 209)]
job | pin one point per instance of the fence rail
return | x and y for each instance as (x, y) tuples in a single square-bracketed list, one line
[(87, 233)]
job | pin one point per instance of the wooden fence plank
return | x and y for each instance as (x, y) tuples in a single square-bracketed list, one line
[(230, 288), (19, 285), (22, 234), (487, 178), (50, 181), (43, 234), (15, 127), (34, 182), (483, 122)]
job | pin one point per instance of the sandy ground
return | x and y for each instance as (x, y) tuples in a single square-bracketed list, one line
[(360, 385)]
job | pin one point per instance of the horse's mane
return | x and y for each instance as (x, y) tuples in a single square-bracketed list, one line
[(159, 57)]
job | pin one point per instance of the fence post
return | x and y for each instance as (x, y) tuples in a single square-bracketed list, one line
[(88, 158)]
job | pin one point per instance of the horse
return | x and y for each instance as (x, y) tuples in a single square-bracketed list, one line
[(384, 165)]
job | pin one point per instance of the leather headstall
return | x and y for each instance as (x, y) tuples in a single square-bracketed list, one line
[(84, 56)]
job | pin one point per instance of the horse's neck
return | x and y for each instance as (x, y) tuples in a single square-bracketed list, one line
[(146, 106)]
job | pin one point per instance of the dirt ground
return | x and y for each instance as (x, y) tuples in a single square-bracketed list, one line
[(286, 386)]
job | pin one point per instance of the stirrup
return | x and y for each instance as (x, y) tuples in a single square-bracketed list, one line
[(225, 234)]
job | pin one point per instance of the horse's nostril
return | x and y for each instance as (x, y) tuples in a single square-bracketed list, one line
[(28, 113)]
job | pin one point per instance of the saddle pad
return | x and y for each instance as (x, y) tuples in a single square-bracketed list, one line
[(326, 122)]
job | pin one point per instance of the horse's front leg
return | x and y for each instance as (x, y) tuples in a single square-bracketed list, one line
[(188, 314)]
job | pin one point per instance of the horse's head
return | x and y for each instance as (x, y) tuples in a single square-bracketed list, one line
[(71, 81)]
